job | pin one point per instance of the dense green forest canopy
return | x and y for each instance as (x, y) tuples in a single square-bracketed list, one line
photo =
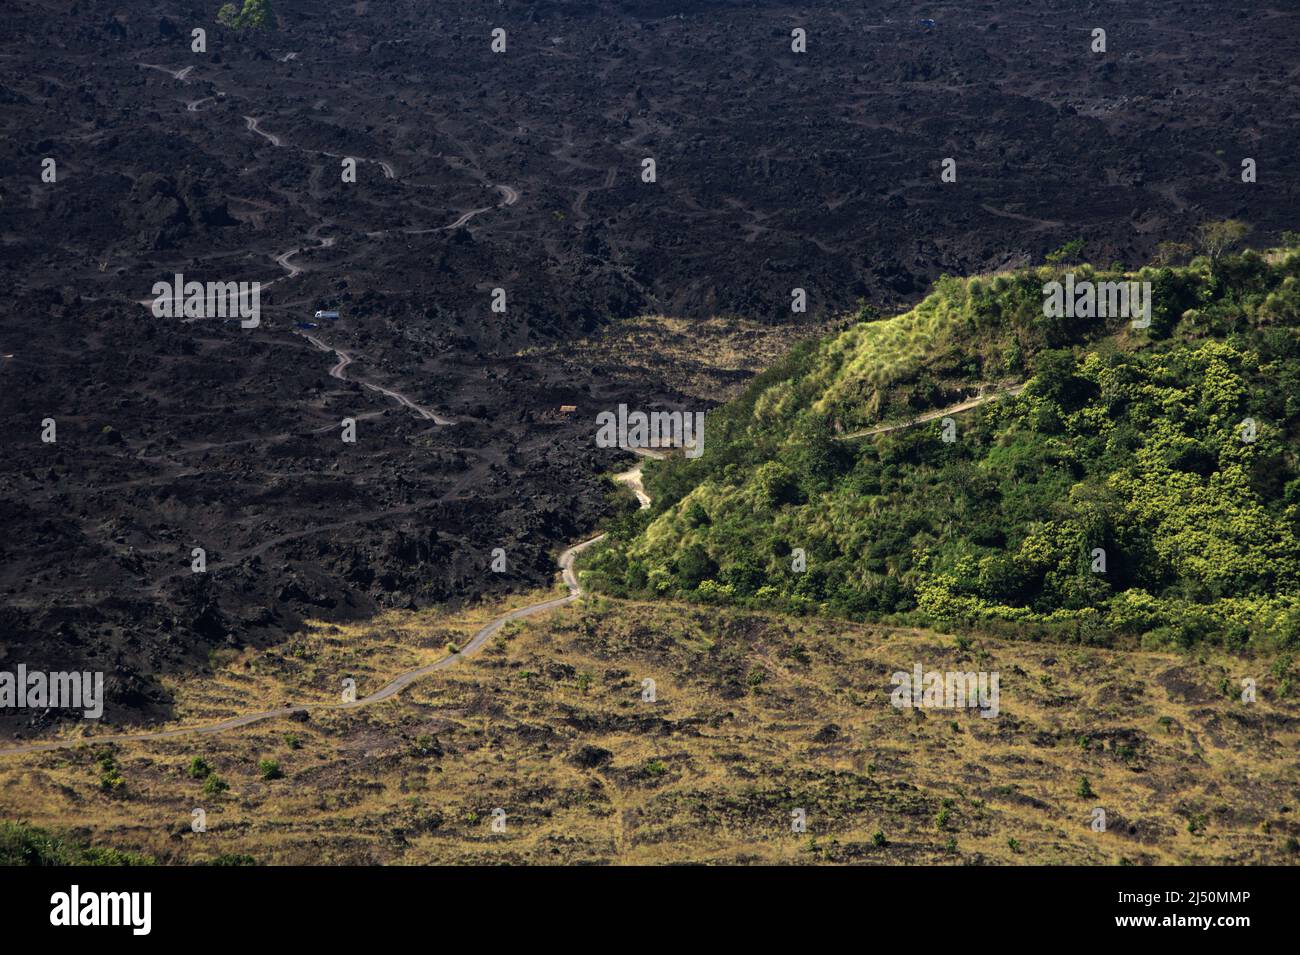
[(1143, 484)]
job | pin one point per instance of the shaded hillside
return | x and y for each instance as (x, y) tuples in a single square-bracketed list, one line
[(1121, 492)]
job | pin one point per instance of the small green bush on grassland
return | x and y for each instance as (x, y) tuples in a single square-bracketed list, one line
[(1134, 443)]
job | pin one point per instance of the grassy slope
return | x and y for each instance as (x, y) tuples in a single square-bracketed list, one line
[(756, 715), (1123, 439)]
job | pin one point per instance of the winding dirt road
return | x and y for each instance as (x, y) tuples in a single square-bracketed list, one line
[(632, 478), (179, 74), (937, 413), (339, 371), (283, 258), (253, 124), (509, 195), (398, 683)]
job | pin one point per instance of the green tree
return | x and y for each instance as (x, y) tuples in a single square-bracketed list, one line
[(1172, 253), (1216, 238), (818, 455), (695, 566), (779, 485), (1072, 251), (255, 15)]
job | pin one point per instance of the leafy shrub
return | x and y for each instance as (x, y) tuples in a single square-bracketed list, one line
[(110, 776), (22, 844), (255, 15)]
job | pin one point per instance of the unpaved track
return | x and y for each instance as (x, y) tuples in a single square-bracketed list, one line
[(937, 413), (179, 74), (632, 478), (509, 195), (565, 562), (339, 371), (393, 686), (387, 691), (252, 124), (283, 258)]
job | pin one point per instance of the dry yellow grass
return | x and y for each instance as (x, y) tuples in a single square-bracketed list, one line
[(756, 716), (710, 359)]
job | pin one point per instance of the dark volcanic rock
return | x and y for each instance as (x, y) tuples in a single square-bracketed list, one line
[(774, 171)]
